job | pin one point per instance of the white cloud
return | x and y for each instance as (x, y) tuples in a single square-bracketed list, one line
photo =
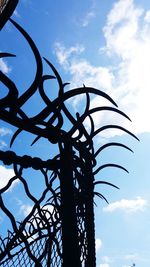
[(5, 131), (5, 175), (131, 257), (63, 55), (106, 259), (106, 262), (98, 244), (4, 66), (127, 205), (147, 16), (104, 265), (25, 209), (126, 79), (99, 77), (80, 69), (88, 17), (2, 144), (127, 36)]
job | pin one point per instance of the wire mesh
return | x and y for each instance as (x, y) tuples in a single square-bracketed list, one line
[(21, 258), (49, 246)]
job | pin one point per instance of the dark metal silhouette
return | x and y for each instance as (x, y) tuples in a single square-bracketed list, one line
[(60, 232), (6, 9)]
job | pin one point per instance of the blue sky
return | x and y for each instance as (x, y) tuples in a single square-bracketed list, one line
[(104, 44)]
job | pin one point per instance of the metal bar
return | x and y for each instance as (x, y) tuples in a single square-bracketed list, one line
[(89, 210), (71, 254), (9, 157)]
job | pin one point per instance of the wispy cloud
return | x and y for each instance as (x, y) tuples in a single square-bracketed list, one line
[(4, 66), (104, 265), (131, 257), (98, 244), (127, 205), (126, 79), (5, 131), (2, 144), (106, 259), (88, 17), (66, 55), (5, 175), (80, 69), (127, 38), (25, 209)]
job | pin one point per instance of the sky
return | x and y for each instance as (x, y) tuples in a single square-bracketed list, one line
[(106, 45)]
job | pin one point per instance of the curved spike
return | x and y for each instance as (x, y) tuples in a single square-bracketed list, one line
[(67, 95), (92, 124), (101, 196), (61, 92), (109, 165), (107, 183), (104, 108), (87, 103), (48, 102), (114, 127), (12, 95), (35, 140), (3, 54), (56, 74), (111, 144), (64, 84), (14, 136), (83, 90), (32, 89), (41, 89), (109, 109)]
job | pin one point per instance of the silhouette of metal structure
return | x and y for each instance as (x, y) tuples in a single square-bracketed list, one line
[(6, 9), (60, 232)]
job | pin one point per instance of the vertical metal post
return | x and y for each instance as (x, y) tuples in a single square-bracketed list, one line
[(89, 212), (71, 252)]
